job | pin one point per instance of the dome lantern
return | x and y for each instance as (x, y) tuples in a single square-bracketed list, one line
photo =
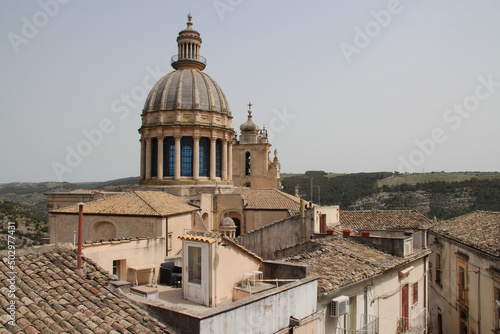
[(188, 44)]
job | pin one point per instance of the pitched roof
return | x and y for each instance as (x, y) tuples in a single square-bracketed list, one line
[(52, 298), (269, 199), (341, 261), (135, 203), (383, 219), (478, 229)]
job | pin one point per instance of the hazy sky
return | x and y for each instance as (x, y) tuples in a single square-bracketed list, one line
[(342, 86)]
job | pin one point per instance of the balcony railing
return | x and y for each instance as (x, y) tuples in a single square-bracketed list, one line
[(415, 324), (365, 324)]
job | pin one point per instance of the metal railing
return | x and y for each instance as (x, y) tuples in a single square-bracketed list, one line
[(416, 322), (365, 324), (199, 59)]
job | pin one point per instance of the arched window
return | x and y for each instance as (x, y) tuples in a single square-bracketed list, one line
[(247, 163), (218, 158), (168, 156), (186, 156), (154, 157), (204, 156)]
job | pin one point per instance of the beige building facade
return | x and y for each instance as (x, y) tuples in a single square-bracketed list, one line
[(465, 274)]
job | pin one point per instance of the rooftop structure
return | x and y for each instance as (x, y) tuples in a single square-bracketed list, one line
[(52, 297), (383, 219)]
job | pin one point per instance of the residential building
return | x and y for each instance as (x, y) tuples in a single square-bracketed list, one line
[(227, 289), (365, 288), (465, 279)]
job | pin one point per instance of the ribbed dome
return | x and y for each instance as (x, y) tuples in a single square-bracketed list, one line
[(227, 222), (188, 89)]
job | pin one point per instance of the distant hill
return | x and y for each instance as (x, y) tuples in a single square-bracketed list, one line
[(443, 195), (26, 205)]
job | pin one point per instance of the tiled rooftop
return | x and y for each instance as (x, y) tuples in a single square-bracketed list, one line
[(383, 219), (52, 298), (136, 203), (340, 261), (478, 229), (269, 199)]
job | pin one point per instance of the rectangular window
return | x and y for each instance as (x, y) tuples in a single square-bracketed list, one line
[(461, 283), (415, 293), (186, 156), (440, 323), (218, 158), (116, 267), (169, 156), (194, 265), (438, 268)]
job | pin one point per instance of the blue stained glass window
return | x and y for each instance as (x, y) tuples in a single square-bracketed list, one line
[(186, 156), (218, 158), (204, 156), (168, 156)]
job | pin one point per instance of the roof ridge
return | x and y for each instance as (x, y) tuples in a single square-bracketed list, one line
[(142, 199)]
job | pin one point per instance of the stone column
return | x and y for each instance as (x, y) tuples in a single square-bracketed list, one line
[(160, 158), (212, 158), (148, 158), (143, 158), (230, 160), (177, 173), (224, 160), (196, 157)]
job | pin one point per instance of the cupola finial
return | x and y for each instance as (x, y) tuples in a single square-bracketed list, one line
[(189, 23)]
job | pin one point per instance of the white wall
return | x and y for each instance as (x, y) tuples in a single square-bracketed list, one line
[(332, 216), (135, 253), (266, 315), (383, 297)]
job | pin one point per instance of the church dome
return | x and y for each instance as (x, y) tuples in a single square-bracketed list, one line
[(188, 89), (227, 222), (249, 125)]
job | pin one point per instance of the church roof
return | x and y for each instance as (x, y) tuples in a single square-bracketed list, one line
[(383, 219), (135, 203), (187, 89), (269, 199), (51, 297), (478, 229)]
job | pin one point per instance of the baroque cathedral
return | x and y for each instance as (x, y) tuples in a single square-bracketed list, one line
[(187, 139), (189, 150)]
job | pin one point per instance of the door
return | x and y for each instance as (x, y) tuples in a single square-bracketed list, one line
[(404, 307), (196, 271), (322, 223)]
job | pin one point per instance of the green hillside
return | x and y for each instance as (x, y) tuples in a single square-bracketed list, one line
[(443, 195)]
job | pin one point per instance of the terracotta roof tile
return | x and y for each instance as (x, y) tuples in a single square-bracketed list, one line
[(190, 237), (383, 219), (478, 229), (341, 261), (53, 305), (269, 199), (135, 203)]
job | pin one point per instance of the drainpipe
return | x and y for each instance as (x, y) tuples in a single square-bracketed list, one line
[(80, 231), (479, 300)]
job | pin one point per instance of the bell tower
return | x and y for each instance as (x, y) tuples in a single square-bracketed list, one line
[(252, 165)]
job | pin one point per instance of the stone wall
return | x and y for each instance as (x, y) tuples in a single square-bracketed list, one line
[(267, 240)]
